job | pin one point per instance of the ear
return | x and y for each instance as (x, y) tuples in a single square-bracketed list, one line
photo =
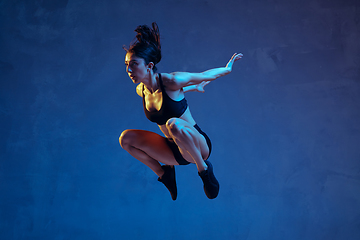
[(150, 65)]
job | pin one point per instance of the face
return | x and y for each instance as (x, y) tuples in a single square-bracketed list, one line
[(136, 67)]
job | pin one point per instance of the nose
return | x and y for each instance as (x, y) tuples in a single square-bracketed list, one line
[(128, 69)]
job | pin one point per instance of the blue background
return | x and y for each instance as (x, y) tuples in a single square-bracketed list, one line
[(284, 124)]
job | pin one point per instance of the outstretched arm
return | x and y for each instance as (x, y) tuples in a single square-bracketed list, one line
[(179, 80)]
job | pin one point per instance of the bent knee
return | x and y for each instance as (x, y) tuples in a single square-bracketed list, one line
[(176, 127), (126, 138), (173, 126)]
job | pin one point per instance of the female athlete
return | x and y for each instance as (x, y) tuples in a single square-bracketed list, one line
[(165, 104)]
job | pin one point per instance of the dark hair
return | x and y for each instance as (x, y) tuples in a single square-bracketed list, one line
[(146, 45)]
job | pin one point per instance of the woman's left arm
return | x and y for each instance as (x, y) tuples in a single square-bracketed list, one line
[(179, 80), (196, 88)]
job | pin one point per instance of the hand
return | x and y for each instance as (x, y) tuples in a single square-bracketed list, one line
[(234, 58), (237, 56), (200, 86)]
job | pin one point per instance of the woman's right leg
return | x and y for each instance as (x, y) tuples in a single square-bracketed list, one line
[(149, 148)]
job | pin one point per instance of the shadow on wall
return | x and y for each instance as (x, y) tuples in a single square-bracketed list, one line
[(267, 59)]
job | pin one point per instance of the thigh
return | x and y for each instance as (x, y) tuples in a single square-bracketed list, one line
[(202, 145), (153, 144)]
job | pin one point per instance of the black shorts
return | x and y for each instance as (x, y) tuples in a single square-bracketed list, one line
[(175, 149)]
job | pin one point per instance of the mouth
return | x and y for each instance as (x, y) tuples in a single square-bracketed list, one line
[(132, 78)]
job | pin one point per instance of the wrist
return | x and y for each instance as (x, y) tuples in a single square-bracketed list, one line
[(228, 69)]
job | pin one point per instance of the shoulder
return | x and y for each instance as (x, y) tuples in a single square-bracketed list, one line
[(139, 89), (172, 88), (171, 81), (167, 78)]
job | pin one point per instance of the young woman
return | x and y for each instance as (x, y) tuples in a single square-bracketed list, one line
[(164, 103)]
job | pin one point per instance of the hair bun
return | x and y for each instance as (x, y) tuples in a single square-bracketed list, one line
[(143, 34), (147, 35), (147, 44)]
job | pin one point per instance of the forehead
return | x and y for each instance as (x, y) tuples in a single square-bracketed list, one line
[(132, 57)]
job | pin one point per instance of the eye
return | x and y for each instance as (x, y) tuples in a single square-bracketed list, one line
[(131, 64)]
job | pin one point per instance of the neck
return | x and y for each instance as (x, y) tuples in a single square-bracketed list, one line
[(152, 83)]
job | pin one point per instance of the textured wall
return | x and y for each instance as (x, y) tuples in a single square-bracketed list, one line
[(284, 124)]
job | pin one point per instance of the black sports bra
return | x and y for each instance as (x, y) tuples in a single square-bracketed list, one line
[(169, 108)]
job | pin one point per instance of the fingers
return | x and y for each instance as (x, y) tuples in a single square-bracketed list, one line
[(236, 56), (204, 83)]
